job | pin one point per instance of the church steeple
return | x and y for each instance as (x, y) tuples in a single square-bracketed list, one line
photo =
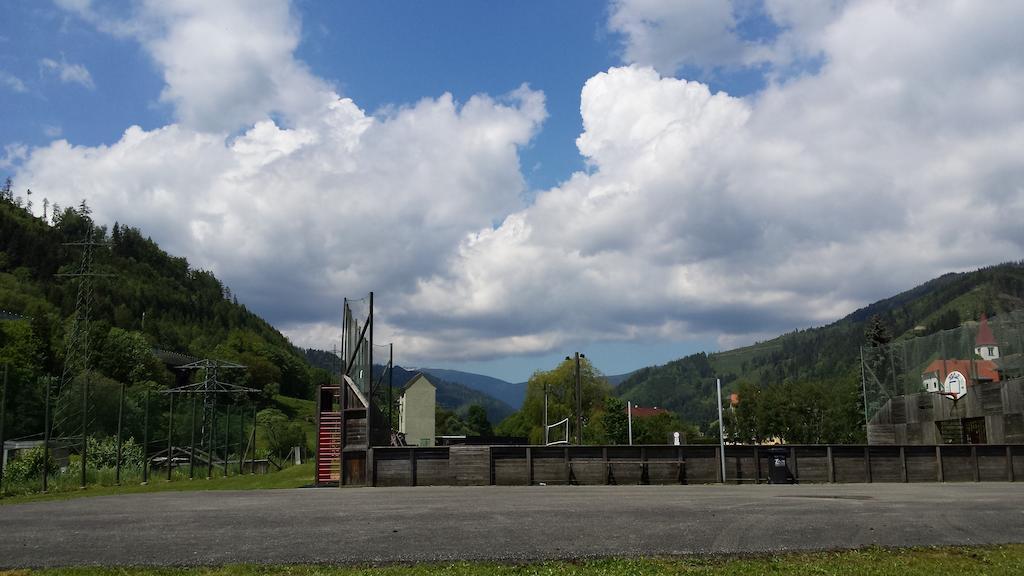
[(985, 344)]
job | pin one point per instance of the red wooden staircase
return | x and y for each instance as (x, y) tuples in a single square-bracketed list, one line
[(328, 448)]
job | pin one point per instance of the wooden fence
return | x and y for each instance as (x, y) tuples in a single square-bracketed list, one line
[(691, 464)]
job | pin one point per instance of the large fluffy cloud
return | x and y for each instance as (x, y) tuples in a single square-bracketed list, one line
[(705, 214), (293, 215), (892, 159)]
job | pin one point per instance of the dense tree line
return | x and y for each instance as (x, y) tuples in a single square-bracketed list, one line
[(151, 300), (604, 415), (826, 358)]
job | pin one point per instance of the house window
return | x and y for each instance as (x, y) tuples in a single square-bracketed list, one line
[(991, 351)]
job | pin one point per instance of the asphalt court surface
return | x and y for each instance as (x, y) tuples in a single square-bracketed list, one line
[(436, 524)]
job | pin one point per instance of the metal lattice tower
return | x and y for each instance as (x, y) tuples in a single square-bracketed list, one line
[(70, 417), (209, 388)]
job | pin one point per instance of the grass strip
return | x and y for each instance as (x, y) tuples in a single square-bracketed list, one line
[(948, 561), (290, 477)]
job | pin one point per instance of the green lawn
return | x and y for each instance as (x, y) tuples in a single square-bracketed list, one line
[(291, 477), (870, 562)]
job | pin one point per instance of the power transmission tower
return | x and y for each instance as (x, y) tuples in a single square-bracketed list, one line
[(70, 420), (209, 388)]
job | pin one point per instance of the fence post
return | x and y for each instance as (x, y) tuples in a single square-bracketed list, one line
[(757, 467), (252, 463), (145, 443), (170, 434), (227, 430), (529, 466), (974, 459), (412, 466), (241, 439), (796, 469), (867, 464), (85, 425), (3, 410), (46, 435), (120, 434), (830, 465), (192, 443), (938, 462), (903, 464), (213, 440)]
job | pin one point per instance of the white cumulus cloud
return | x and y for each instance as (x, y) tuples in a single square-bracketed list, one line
[(700, 214), (67, 72)]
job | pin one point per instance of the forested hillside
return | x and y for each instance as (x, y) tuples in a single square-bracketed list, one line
[(820, 365), (146, 299)]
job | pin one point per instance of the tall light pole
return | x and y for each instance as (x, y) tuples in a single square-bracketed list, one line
[(579, 401), (721, 427)]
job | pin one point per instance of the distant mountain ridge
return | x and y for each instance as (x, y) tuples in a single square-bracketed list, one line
[(827, 353), (510, 393)]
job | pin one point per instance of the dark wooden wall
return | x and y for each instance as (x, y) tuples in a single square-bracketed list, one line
[(911, 419), (692, 464)]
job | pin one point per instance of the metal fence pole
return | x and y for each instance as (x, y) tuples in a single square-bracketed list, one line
[(145, 443), (46, 435), (227, 430), (120, 443), (213, 440), (252, 468), (85, 424), (192, 443), (3, 410), (170, 435), (241, 439), (721, 427)]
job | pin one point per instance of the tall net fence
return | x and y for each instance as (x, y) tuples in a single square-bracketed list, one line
[(357, 325), (982, 350)]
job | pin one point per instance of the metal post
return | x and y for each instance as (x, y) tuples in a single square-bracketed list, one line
[(629, 420), (391, 380), (145, 444), (120, 436), (85, 424), (252, 469), (3, 410), (227, 430), (241, 439), (213, 440), (369, 386), (721, 427), (545, 413), (170, 435), (864, 389), (579, 402), (46, 435), (192, 443)]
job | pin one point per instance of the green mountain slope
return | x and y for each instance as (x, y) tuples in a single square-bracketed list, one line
[(149, 299), (828, 353)]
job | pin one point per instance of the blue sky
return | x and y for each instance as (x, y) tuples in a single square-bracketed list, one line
[(618, 204)]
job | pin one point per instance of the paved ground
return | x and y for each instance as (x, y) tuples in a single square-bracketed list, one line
[(376, 525)]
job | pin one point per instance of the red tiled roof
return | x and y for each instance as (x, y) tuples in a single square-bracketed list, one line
[(986, 369), (985, 337), (640, 412)]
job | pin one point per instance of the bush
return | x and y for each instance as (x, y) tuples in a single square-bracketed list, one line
[(29, 465), (103, 453)]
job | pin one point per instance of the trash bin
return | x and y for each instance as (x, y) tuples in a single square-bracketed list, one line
[(778, 466)]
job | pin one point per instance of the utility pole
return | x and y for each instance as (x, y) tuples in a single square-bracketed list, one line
[(545, 413), (721, 427), (579, 401)]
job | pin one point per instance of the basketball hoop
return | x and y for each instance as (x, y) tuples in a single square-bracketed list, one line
[(954, 388)]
